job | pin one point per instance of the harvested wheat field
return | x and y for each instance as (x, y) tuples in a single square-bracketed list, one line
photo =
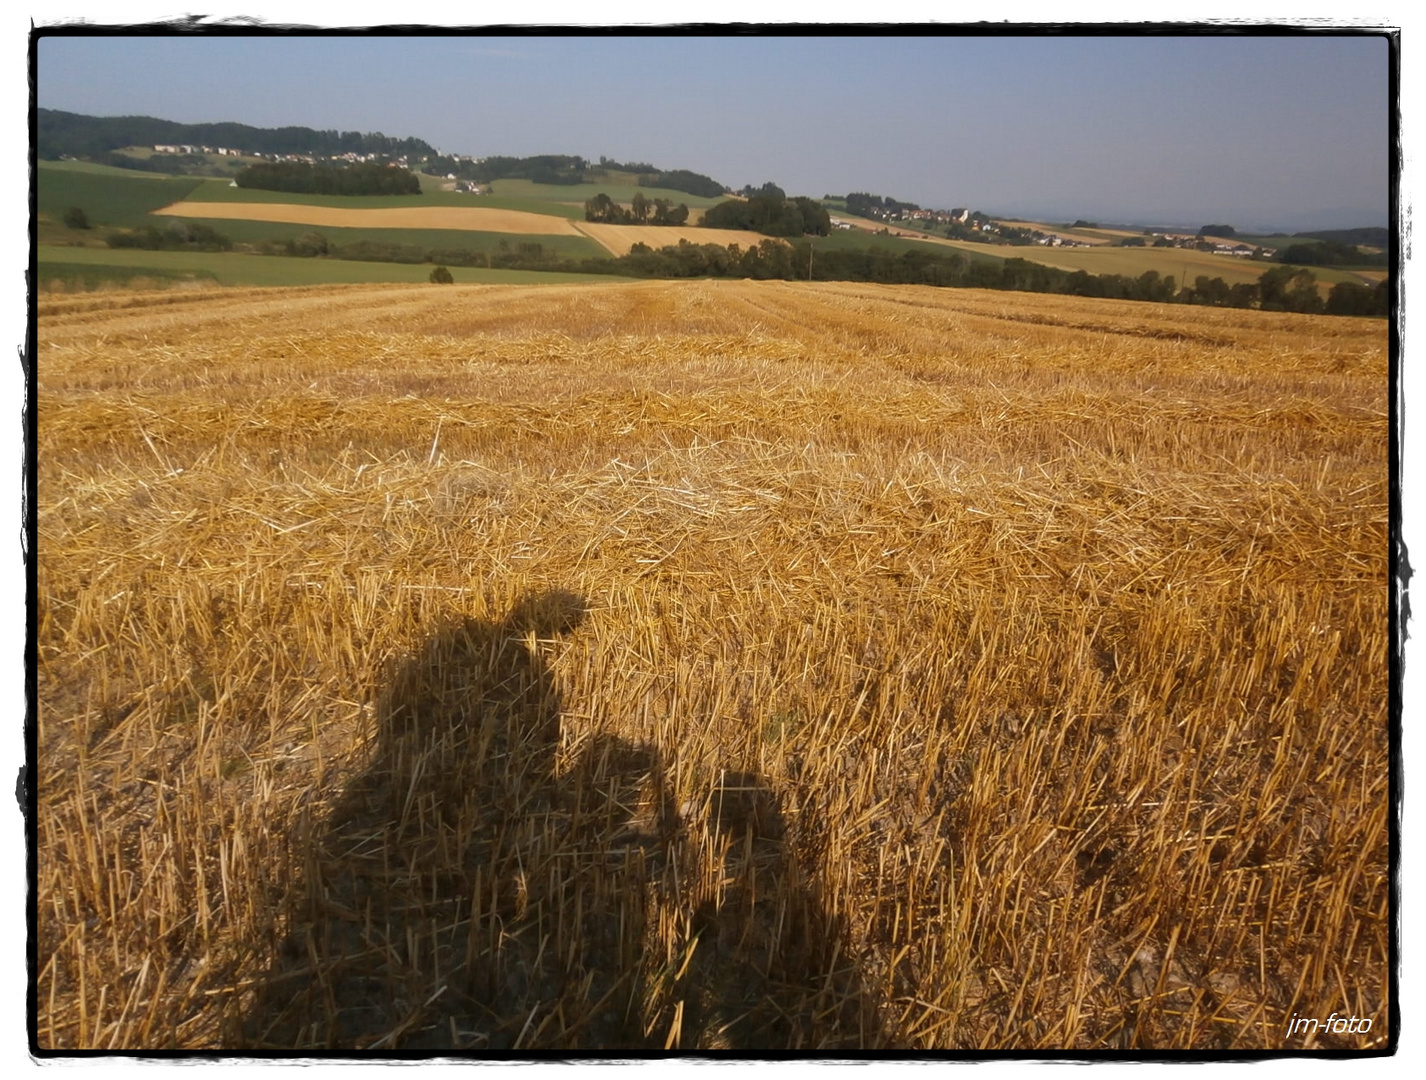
[(708, 665), (477, 218)]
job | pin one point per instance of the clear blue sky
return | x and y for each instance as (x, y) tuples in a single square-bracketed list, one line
[(1247, 130)]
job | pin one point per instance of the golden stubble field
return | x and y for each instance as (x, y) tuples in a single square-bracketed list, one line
[(708, 665)]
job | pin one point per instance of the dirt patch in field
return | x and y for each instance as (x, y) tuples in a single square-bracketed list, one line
[(472, 218), (618, 239)]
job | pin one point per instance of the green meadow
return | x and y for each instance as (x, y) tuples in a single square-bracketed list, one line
[(91, 267), (120, 198), (490, 243)]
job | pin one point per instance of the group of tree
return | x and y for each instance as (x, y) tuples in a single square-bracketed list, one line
[(768, 259), (176, 236), (863, 204), (1222, 232), (1291, 288), (1370, 235), (684, 180), (641, 211), (59, 133), (1329, 253), (770, 212), (608, 164), (365, 178), (540, 169)]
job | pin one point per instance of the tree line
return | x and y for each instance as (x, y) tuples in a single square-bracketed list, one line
[(1291, 289), (684, 180), (176, 236), (300, 177), (1329, 253)]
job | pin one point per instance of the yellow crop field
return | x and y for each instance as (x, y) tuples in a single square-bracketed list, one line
[(475, 218), (708, 664), (618, 239)]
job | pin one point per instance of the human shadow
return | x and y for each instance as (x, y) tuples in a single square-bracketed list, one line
[(457, 888), (468, 894)]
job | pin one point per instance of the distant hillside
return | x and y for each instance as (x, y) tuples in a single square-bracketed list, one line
[(1371, 236), (66, 134), (75, 135)]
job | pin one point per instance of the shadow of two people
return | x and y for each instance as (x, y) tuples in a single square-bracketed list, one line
[(465, 894)]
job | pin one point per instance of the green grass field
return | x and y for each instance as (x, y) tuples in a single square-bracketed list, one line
[(76, 266), (110, 197)]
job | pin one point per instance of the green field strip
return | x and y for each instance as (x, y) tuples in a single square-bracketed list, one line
[(233, 268), (110, 197), (254, 232)]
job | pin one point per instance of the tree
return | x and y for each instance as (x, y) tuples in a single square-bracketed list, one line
[(76, 218), (1350, 298), (1211, 291), (603, 209), (1290, 288), (441, 276)]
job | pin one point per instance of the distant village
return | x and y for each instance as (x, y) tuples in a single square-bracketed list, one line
[(400, 162), (966, 224)]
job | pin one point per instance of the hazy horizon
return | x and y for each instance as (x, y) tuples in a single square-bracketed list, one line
[(1261, 131)]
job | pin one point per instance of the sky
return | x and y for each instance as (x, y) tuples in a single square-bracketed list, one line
[(1235, 128)]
